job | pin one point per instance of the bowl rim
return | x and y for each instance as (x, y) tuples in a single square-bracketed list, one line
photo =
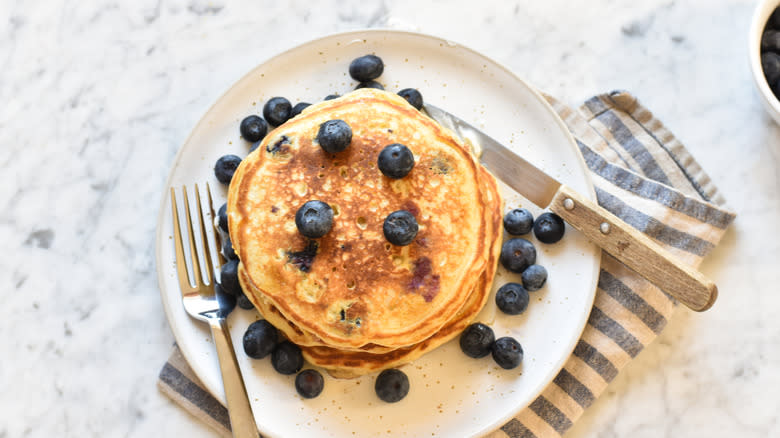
[(760, 16)]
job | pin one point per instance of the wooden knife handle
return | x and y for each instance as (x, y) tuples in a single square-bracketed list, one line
[(635, 250)]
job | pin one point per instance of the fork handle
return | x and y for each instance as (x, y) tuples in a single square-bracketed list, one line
[(242, 422)]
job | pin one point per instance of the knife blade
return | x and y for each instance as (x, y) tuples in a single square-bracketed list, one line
[(635, 249)]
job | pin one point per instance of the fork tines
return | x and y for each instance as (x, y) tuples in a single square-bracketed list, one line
[(195, 261)]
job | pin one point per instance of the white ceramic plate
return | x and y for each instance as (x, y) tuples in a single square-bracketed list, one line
[(451, 394)]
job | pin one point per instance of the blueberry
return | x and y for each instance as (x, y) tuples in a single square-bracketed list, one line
[(518, 222), (314, 219), (298, 108), (334, 136), (287, 358), (218, 289), (225, 168), (243, 302), (412, 96), (227, 302), (260, 339), (277, 110), (517, 254), (775, 89), (370, 84), (254, 146), (476, 340), (770, 41), (512, 298), (400, 228), (770, 63), (534, 277), (331, 96), (395, 161), (507, 352), (253, 128), (304, 258), (227, 249), (391, 385), (366, 68), (228, 277), (222, 219), (309, 383), (549, 227), (774, 20)]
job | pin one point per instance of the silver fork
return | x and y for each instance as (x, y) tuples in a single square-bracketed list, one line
[(202, 303)]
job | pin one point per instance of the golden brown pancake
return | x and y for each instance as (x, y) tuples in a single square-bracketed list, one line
[(324, 357), (351, 288), (304, 338), (348, 364), (291, 331), (342, 363)]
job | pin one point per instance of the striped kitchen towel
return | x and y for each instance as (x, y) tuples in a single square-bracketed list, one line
[(645, 176)]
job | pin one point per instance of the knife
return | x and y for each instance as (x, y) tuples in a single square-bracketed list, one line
[(625, 243)]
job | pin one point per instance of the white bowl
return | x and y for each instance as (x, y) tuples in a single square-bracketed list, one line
[(760, 17)]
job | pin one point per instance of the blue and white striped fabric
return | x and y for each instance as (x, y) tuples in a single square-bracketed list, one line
[(645, 176)]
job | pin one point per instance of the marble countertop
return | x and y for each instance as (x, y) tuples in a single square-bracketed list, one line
[(97, 96)]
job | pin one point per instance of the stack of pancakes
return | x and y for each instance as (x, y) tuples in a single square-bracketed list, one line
[(352, 301)]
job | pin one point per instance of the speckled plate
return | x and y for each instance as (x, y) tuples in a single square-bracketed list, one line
[(451, 394)]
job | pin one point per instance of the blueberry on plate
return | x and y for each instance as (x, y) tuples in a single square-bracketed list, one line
[(366, 68), (331, 96), (222, 219), (370, 84), (517, 254), (512, 298), (309, 383), (334, 136), (314, 219), (549, 227), (254, 146), (225, 168), (298, 108), (228, 277), (400, 228), (476, 340), (518, 222), (412, 96), (391, 385), (287, 358), (227, 250), (227, 302), (534, 277), (395, 161), (253, 128), (507, 352), (243, 302), (260, 339), (277, 110)]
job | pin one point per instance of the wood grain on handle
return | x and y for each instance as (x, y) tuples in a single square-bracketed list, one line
[(242, 422), (635, 250)]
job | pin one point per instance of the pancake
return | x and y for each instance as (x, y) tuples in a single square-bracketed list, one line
[(304, 338), (349, 364), (351, 288), (292, 331), (342, 363)]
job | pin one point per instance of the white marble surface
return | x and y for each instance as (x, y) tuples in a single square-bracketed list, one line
[(96, 97)]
